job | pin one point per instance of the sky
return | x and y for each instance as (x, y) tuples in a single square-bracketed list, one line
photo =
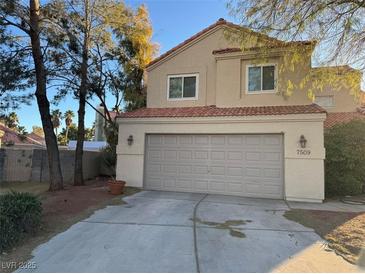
[(172, 22)]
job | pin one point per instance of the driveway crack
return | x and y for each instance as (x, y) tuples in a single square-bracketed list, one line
[(196, 254)]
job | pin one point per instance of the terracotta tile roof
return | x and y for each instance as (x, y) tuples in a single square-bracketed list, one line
[(335, 118), (213, 111), (11, 136), (220, 22), (361, 110), (113, 114), (226, 50), (274, 45), (36, 137)]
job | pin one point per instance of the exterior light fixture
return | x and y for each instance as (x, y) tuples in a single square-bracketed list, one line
[(130, 140), (302, 141)]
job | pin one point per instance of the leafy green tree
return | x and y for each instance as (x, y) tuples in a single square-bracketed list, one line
[(22, 39), (72, 134), (103, 45), (22, 133), (335, 27), (38, 131), (11, 120), (345, 159)]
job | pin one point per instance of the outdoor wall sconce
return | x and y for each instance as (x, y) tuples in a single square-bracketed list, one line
[(130, 140), (302, 141)]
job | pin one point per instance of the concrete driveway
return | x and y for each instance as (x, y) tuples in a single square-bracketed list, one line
[(154, 232)]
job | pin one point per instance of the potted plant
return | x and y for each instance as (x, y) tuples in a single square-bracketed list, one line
[(116, 187)]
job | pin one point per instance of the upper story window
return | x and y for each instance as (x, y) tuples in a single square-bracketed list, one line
[(261, 78), (182, 87), (325, 101)]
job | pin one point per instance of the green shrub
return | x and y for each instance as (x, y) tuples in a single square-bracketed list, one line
[(19, 213), (109, 161), (345, 158)]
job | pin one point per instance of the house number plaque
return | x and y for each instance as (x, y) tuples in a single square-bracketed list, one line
[(303, 152)]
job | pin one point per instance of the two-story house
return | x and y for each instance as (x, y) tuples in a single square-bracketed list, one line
[(215, 122)]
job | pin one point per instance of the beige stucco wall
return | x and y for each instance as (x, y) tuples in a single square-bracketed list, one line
[(304, 175), (196, 58), (232, 84), (343, 101), (222, 78)]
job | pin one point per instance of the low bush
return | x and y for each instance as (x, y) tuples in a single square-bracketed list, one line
[(345, 159), (109, 161), (19, 213)]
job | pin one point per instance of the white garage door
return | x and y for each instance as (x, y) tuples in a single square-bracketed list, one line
[(243, 165)]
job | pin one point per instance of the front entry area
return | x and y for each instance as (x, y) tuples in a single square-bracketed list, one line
[(248, 165)]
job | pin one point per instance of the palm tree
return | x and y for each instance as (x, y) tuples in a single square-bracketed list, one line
[(68, 121), (56, 119)]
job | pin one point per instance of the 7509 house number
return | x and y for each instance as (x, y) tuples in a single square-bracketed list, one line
[(303, 152)]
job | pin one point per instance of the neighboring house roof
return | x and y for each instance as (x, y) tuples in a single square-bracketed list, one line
[(12, 136), (213, 111), (220, 22), (361, 110), (340, 68), (36, 137), (336, 118)]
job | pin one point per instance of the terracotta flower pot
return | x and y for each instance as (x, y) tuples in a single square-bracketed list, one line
[(116, 187)]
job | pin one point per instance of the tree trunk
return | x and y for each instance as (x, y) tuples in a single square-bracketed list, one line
[(55, 174), (66, 134), (79, 176)]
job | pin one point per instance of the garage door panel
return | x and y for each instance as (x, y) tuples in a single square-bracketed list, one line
[(153, 168), (218, 140), (253, 140), (235, 155), (271, 156), (169, 183), (235, 171), (184, 184), (244, 165), (234, 140), (218, 155), (234, 187), (272, 173), (272, 140), (154, 155), (201, 185), (201, 140), (185, 155), (170, 169), (155, 139), (217, 186), (201, 170), (185, 169)]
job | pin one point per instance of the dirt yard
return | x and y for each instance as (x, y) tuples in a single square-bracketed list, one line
[(345, 232), (61, 209)]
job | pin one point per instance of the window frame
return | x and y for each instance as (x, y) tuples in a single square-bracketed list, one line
[(325, 96), (262, 91), (196, 75)]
